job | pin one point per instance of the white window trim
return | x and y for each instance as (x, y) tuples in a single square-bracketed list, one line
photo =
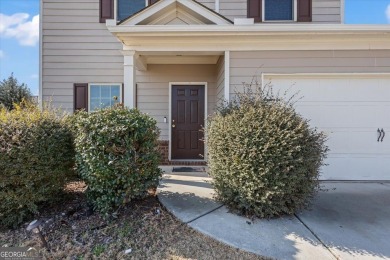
[(170, 118), (103, 84), (295, 13)]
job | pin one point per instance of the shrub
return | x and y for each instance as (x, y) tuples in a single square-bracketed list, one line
[(11, 92), (36, 158), (263, 156), (116, 155)]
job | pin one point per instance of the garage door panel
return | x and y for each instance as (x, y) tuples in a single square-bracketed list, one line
[(333, 89), (356, 168), (349, 109), (346, 114), (355, 142)]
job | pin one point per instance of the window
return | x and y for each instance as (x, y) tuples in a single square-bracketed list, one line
[(129, 7), (278, 10), (104, 95)]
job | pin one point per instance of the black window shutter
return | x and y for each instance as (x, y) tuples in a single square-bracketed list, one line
[(106, 10), (80, 96), (255, 10), (304, 10)]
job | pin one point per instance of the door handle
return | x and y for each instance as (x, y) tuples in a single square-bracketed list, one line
[(173, 126)]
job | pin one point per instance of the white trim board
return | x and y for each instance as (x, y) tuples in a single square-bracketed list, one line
[(252, 37), (316, 75), (170, 115), (226, 90), (323, 75), (264, 29)]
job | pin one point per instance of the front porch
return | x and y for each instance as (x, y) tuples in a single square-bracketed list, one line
[(176, 79), (149, 81)]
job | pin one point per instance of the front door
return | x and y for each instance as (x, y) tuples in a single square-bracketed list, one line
[(188, 109)]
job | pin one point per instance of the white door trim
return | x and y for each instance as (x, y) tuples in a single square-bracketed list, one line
[(170, 113)]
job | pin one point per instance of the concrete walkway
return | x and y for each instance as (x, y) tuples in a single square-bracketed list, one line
[(347, 220)]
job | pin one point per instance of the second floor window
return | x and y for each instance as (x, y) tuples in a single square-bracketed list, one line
[(129, 7), (278, 10)]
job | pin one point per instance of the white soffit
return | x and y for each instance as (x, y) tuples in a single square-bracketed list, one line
[(175, 12)]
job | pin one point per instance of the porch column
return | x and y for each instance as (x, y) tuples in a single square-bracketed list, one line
[(129, 78), (227, 76)]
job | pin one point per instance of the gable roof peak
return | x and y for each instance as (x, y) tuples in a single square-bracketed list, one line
[(184, 12)]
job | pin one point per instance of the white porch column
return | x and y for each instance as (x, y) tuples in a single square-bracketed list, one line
[(227, 76), (129, 78)]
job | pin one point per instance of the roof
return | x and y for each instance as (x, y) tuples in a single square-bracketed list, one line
[(184, 11)]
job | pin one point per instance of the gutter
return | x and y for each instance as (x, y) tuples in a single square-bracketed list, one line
[(256, 29)]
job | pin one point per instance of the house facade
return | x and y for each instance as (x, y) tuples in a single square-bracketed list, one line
[(176, 59)]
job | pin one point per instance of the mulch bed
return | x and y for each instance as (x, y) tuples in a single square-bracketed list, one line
[(143, 228)]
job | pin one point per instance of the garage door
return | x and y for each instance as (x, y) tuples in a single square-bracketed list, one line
[(349, 109)]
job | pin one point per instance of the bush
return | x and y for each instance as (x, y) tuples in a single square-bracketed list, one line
[(11, 92), (36, 158), (263, 156), (116, 155)]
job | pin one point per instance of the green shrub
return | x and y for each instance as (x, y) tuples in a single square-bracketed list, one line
[(116, 155), (263, 156), (36, 158), (11, 92)]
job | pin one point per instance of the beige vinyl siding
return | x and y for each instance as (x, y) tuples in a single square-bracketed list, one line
[(324, 11), (76, 49), (248, 64), (153, 89), (233, 8), (208, 3), (220, 80)]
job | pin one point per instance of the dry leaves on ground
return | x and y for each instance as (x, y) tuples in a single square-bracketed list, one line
[(144, 228)]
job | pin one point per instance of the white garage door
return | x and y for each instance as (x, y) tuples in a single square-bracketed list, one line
[(349, 109)]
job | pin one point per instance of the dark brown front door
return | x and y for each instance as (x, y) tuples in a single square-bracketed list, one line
[(187, 121)]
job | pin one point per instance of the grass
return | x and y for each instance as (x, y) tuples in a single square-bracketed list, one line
[(143, 226)]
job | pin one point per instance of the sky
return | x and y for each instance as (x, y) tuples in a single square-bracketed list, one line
[(19, 34)]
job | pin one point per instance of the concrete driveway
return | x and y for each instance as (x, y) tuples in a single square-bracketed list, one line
[(346, 221)]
